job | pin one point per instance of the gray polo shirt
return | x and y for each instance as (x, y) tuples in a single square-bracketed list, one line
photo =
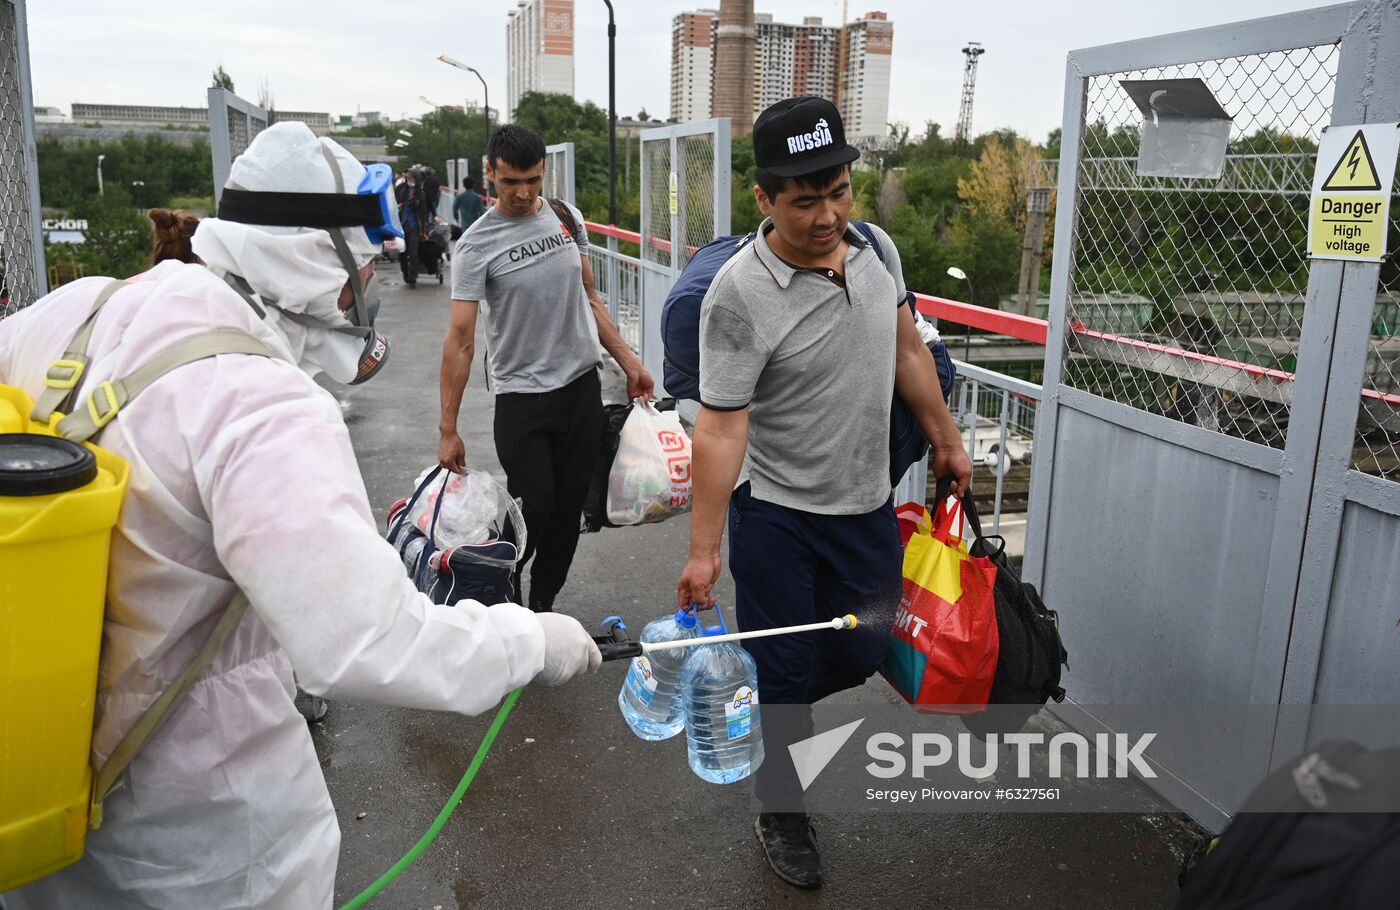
[(527, 273), (814, 363)]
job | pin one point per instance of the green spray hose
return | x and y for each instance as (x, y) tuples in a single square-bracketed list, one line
[(431, 834)]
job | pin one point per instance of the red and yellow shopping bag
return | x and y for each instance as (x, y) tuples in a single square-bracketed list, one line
[(943, 650)]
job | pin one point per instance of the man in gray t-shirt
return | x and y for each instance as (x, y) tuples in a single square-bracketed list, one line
[(804, 339), (525, 262)]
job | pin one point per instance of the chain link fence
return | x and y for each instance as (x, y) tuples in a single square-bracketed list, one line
[(1186, 295), (1377, 448), (22, 279), (656, 211), (696, 193)]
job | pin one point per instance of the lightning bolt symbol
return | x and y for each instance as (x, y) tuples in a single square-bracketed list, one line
[(1354, 160)]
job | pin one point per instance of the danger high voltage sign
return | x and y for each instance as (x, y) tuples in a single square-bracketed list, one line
[(1350, 212)]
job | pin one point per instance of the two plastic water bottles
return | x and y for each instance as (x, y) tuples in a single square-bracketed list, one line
[(649, 698), (719, 688)]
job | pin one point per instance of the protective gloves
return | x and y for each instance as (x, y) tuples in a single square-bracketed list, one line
[(568, 649)]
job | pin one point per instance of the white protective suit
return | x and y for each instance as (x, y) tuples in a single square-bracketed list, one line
[(242, 473)]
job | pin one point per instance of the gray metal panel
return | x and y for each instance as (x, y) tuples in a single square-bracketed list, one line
[(219, 149), (1361, 646), (1368, 90), (1160, 555), (1207, 442), (1157, 557), (656, 284), (559, 179), (1047, 415), (1325, 25)]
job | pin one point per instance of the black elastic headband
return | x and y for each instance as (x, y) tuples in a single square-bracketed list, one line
[(313, 210)]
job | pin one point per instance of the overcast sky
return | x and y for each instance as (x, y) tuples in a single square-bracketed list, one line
[(354, 54)]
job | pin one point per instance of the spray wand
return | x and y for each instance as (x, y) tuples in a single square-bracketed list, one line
[(615, 645)]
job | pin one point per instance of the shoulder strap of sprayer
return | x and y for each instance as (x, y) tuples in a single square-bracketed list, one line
[(103, 404), (109, 775), (65, 374)]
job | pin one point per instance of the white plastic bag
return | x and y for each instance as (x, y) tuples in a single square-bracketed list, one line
[(471, 506), (650, 477)]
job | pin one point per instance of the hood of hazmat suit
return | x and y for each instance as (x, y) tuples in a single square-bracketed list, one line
[(243, 477)]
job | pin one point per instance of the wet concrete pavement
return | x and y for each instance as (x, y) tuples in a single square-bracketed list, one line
[(571, 810)]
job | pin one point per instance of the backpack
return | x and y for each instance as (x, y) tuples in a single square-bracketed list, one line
[(1031, 651), (680, 337), (68, 535), (1323, 831)]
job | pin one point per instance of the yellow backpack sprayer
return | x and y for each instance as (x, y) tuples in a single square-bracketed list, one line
[(60, 497)]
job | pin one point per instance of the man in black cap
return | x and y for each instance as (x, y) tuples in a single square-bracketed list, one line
[(803, 340)]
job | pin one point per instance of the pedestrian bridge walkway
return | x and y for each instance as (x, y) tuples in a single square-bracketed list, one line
[(571, 809)]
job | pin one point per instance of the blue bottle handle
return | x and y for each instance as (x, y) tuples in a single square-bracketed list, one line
[(721, 629)]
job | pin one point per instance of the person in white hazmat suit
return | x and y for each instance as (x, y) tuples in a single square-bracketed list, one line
[(243, 478)]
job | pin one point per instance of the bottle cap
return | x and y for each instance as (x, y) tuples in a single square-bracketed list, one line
[(686, 618)]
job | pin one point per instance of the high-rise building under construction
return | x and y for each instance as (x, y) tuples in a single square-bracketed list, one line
[(788, 59)]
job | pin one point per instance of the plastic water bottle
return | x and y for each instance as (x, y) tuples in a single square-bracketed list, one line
[(719, 686), (649, 698)]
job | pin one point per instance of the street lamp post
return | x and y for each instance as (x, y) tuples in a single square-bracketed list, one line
[(485, 98), (612, 116), (136, 187), (100, 190), (959, 274), (446, 129)]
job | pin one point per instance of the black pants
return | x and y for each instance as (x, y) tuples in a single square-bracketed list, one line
[(794, 567), (408, 259), (548, 444)]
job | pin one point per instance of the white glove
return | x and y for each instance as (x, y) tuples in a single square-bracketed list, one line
[(568, 649)]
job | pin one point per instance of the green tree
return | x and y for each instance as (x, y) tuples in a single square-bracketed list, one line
[(222, 79), (67, 170), (117, 241)]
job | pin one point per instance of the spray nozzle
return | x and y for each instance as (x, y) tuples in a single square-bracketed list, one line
[(848, 621)]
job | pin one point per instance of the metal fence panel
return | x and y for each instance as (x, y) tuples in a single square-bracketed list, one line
[(559, 172), (1193, 515), (685, 203), (233, 122), (655, 201), (22, 278)]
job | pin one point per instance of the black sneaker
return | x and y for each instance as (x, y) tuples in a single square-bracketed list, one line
[(791, 847), (312, 707)]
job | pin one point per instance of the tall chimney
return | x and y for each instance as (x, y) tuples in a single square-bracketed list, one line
[(734, 60)]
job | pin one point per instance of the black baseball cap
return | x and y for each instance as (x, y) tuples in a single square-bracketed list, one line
[(799, 136)]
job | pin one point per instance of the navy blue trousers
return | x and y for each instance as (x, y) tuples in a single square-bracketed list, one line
[(792, 567)]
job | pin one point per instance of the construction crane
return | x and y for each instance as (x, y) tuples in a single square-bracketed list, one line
[(973, 50)]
